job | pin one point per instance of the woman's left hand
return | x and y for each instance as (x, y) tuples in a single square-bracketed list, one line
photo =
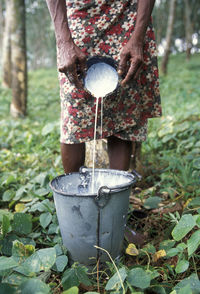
[(131, 61)]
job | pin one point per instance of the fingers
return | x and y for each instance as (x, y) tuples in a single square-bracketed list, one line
[(73, 77), (133, 71), (72, 74), (82, 65), (122, 67), (138, 71)]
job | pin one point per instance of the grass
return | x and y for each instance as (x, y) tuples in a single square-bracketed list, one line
[(30, 158)]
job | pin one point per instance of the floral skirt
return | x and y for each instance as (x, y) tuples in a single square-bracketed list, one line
[(103, 27)]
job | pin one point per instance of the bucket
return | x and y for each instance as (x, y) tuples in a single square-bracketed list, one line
[(88, 218)]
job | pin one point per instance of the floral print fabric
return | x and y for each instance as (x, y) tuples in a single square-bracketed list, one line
[(103, 27)]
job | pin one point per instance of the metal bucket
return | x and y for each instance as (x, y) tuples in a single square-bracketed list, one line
[(94, 218)]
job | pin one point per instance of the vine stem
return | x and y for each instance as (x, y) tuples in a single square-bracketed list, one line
[(124, 292), (98, 276), (149, 259)]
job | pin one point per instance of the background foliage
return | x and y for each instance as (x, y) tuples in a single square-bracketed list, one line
[(33, 257), (41, 40), (165, 208)]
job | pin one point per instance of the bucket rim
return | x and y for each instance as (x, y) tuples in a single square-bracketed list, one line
[(116, 189)]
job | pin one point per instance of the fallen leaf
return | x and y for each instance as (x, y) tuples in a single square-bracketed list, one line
[(159, 254), (20, 207), (132, 250)]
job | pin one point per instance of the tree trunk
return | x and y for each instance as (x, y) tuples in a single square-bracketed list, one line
[(188, 29), (170, 26), (6, 48), (1, 27), (18, 58)]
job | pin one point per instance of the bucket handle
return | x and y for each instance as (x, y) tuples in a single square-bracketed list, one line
[(138, 176), (103, 195), (83, 169)]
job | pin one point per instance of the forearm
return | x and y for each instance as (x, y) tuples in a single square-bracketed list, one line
[(58, 12), (144, 11)]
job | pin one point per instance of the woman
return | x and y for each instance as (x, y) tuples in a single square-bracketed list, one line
[(120, 29)]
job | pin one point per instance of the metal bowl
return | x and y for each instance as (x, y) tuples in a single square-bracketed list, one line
[(94, 60)]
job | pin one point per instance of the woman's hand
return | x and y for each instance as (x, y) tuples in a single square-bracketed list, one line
[(71, 61), (131, 61)]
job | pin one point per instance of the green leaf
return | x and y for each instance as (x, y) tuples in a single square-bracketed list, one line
[(45, 219), (165, 130), (9, 179), (6, 288), (34, 286), (53, 229), (22, 223), (7, 263), (185, 290), (41, 260), (20, 251), (172, 252), (42, 192), (193, 283), (194, 203), (181, 246), (15, 279), (194, 242), (8, 195), (196, 163), (48, 128), (158, 290), (70, 279), (114, 282), (59, 250), (7, 213), (5, 225), (139, 278), (90, 293), (7, 244), (152, 202), (181, 266), (184, 226), (198, 221), (44, 206), (73, 290), (166, 244), (20, 192), (81, 273), (61, 262), (41, 179), (149, 248), (182, 127), (153, 274)]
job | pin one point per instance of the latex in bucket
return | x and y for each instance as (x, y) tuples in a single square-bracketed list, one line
[(87, 219)]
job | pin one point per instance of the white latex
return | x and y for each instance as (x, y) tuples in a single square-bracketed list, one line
[(101, 79)]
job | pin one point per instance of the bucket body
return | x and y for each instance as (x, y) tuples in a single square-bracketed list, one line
[(93, 218)]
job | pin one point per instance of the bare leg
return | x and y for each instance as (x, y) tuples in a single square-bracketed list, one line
[(73, 156), (119, 153)]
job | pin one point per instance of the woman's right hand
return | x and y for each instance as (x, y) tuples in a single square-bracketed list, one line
[(71, 61)]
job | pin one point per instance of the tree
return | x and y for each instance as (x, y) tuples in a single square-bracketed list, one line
[(1, 25), (169, 32), (18, 59), (6, 47), (188, 29), (41, 45)]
